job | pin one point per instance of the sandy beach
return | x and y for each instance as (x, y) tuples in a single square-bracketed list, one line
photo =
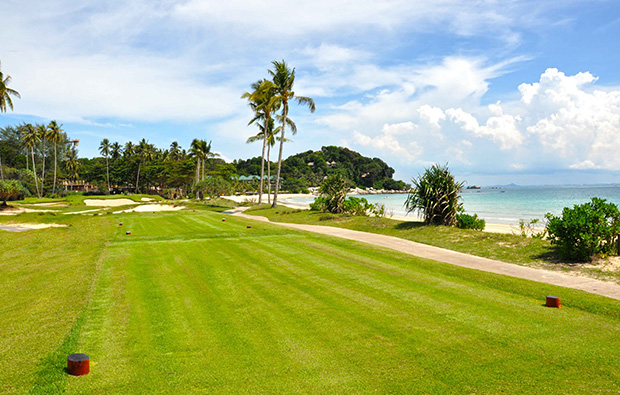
[(490, 227)]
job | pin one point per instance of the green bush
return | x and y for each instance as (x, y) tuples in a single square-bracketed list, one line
[(10, 190), (585, 230), (466, 221), (357, 206)]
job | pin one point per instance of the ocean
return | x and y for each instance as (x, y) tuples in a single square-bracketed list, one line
[(508, 205)]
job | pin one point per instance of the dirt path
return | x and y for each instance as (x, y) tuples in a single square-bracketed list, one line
[(598, 287)]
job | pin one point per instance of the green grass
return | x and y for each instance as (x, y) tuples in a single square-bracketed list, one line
[(504, 247), (189, 303)]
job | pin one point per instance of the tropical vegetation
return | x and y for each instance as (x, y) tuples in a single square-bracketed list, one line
[(435, 194), (6, 92), (586, 230)]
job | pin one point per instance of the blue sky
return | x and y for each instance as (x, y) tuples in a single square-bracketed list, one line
[(505, 91)]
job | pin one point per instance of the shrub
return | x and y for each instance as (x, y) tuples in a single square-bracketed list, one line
[(10, 190), (334, 191), (357, 206), (466, 221), (318, 204), (585, 230), (436, 195)]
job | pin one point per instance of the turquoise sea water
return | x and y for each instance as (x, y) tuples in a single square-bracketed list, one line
[(507, 205)]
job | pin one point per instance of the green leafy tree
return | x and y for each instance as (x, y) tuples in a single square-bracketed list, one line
[(435, 194), (213, 187), (6, 92), (585, 230), (283, 81), (145, 152)]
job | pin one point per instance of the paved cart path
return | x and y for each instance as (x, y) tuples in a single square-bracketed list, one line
[(604, 288)]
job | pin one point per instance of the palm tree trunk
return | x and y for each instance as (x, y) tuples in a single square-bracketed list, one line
[(275, 192), (204, 162), (55, 161), (43, 171), (1, 174), (268, 176), (107, 165), (197, 169), (138, 178), (262, 163), (34, 169)]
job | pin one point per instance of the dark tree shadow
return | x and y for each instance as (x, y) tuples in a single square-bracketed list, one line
[(409, 225)]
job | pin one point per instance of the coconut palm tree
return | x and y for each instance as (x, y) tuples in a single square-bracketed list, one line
[(283, 81), (31, 137), (205, 154), (43, 134), (129, 150), (104, 149), (268, 138), (174, 153), (195, 151), (6, 92), (263, 102), (145, 152), (72, 165), (115, 150), (55, 136)]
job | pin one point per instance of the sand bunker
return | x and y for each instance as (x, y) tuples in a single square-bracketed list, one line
[(151, 208), (25, 227), (147, 199), (19, 210), (108, 202)]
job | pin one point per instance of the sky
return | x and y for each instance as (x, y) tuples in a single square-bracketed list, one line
[(524, 92)]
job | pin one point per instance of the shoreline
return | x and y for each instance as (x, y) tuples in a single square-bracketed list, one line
[(489, 228)]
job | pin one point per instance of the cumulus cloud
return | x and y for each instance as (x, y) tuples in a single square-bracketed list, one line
[(387, 140), (572, 121)]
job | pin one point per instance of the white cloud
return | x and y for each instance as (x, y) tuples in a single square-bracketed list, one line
[(432, 115), (386, 141), (501, 128), (572, 121)]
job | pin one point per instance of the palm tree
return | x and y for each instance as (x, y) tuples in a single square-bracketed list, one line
[(55, 135), (129, 150), (264, 102), (6, 92), (268, 138), (283, 81), (145, 152), (104, 149), (115, 150), (43, 132), (31, 138), (205, 154), (72, 165), (175, 151), (195, 151)]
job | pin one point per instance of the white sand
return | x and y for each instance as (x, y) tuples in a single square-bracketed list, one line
[(84, 211), (24, 227), (145, 199), (108, 202), (19, 210), (254, 198), (151, 208)]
